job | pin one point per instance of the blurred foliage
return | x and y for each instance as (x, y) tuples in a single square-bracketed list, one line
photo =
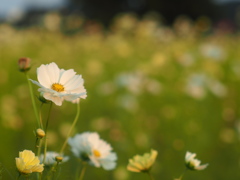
[(173, 89), (105, 10)]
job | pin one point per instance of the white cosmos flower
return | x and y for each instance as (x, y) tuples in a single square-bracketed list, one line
[(192, 163), (51, 158), (58, 85), (89, 147)]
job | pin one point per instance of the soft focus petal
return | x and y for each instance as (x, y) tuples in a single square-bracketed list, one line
[(28, 162), (192, 163), (142, 163), (90, 148)]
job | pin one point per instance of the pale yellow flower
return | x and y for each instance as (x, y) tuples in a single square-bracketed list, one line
[(142, 163), (28, 163)]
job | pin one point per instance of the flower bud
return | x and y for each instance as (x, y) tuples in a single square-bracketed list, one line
[(59, 159), (24, 64), (42, 99), (40, 133)]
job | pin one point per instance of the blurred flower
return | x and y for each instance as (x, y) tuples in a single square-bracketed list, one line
[(217, 88), (90, 148), (196, 86), (58, 85), (52, 21), (52, 157), (28, 162), (192, 163), (133, 81), (142, 163), (212, 51), (128, 102), (24, 64)]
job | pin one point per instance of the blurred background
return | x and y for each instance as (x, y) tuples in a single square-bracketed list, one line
[(159, 74)]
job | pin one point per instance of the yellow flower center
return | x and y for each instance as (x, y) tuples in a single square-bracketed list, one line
[(57, 87), (96, 153)]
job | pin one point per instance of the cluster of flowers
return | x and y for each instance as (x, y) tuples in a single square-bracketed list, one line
[(57, 85)]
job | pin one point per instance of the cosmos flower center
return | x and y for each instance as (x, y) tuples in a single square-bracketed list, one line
[(57, 87), (96, 153)]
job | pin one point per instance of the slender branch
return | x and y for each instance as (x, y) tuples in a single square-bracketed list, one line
[(83, 171), (33, 99), (40, 116), (180, 178), (70, 131), (46, 127), (150, 175), (39, 140), (19, 174)]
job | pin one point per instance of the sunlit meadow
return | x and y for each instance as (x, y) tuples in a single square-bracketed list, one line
[(149, 86)]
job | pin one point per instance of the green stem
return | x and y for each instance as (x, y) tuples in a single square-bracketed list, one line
[(39, 140), (180, 178), (40, 116), (54, 169), (45, 143), (40, 176), (39, 145), (150, 176), (70, 131), (83, 171), (18, 177), (33, 99)]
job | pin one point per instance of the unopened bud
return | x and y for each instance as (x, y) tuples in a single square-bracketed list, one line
[(59, 159), (24, 64), (42, 99), (40, 133)]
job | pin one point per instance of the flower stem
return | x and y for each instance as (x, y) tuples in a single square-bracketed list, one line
[(53, 170), (19, 174), (46, 127), (150, 176), (70, 131), (40, 116), (83, 171), (33, 99), (39, 140), (180, 178)]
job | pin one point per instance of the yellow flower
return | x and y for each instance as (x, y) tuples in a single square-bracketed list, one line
[(142, 163), (28, 162)]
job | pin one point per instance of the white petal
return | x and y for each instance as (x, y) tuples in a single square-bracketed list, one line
[(37, 83), (43, 76), (55, 99), (66, 76), (95, 161), (54, 72), (71, 97), (78, 90), (109, 163), (74, 83), (201, 167)]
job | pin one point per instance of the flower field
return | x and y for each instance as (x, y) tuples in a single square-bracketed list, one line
[(149, 86)]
